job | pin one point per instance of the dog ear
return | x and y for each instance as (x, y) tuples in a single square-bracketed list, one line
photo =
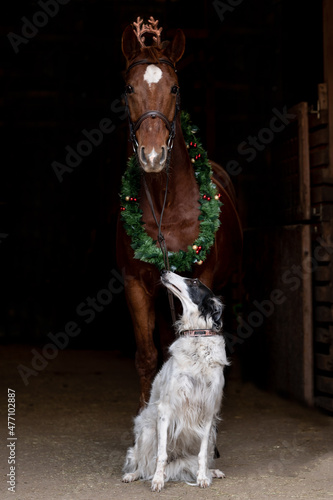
[(215, 307)]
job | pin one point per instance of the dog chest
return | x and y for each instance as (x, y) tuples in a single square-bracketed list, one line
[(199, 354), (196, 389)]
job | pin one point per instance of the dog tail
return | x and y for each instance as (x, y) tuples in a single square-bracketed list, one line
[(143, 466), (131, 463), (182, 469)]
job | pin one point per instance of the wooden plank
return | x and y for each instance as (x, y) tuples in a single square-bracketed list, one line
[(327, 234), (324, 384), (323, 402), (281, 348), (324, 362), (322, 194), (318, 137), (302, 112), (307, 318), (323, 274), (291, 158), (322, 96), (324, 293), (328, 68), (324, 213), (327, 214), (315, 121), (321, 175), (324, 335), (323, 314), (319, 157)]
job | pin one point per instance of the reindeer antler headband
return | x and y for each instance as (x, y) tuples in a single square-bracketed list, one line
[(141, 29)]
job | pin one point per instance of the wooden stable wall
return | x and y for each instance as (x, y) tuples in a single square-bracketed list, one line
[(321, 168), (322, 231), (293, 345), (279, 286), (298, 260)]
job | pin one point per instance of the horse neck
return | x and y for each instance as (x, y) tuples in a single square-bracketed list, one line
[(182, 183)]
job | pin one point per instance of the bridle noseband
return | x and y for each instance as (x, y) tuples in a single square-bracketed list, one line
[(134, 126)]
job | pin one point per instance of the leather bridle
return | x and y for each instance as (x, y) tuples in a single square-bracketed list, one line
[(170, 125)]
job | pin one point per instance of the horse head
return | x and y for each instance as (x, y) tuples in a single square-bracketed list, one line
[(151, 92)]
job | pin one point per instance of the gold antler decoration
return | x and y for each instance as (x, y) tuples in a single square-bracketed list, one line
[(147, 28)]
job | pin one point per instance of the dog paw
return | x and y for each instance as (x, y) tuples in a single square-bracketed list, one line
[(157, 484), (203, 481), (217, 473), (129, 478)]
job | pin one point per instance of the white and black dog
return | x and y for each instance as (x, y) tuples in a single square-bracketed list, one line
[(175, 434)]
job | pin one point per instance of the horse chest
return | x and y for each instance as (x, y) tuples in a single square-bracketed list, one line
[(180, 225)]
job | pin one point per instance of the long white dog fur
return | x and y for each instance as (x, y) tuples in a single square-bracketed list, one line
[(175, 434)]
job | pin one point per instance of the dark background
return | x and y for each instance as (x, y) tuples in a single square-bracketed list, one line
[(57, 243)]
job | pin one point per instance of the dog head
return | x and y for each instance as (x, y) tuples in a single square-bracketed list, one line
[(201, 309)]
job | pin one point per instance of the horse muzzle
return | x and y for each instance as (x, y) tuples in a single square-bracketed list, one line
[(152, 160)]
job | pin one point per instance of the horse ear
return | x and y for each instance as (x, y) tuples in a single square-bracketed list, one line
[(129, 43), (175, 49)]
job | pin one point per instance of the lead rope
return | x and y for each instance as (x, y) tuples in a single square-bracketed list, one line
[(160, 236)]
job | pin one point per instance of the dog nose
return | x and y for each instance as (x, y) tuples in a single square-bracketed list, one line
[(164, 271)]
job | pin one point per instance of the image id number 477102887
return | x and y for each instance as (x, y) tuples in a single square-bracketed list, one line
[(11, 475)]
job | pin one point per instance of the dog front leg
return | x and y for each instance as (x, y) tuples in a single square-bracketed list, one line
[(204, 477), (162, 456)]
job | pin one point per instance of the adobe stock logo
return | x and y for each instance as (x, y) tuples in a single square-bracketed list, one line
[(30, 28), (223, 8), (255, 144)]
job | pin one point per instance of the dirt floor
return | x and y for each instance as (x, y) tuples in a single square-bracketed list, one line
[(73, 426)]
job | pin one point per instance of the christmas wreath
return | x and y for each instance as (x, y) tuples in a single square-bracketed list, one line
[(145, 248)]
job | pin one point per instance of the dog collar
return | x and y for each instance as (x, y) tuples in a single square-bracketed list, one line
[(198, 333)]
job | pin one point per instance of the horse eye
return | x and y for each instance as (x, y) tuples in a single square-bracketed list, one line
[(129, 89), (174, 89)]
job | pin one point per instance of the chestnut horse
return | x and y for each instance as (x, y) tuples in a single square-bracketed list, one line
[(152, 99)]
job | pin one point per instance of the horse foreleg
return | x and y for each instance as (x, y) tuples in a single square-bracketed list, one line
[(141, 306)]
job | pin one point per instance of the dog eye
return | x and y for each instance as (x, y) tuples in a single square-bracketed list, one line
[(174, 89), (129, 89), (195, 282)]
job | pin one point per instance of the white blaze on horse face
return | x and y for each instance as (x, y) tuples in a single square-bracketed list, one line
[(152, 155), (153, 74)]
